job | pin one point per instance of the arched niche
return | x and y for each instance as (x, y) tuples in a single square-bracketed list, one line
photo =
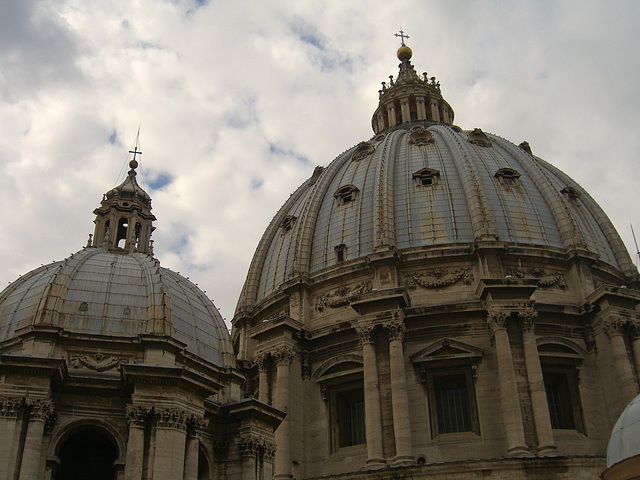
[(86, 449)]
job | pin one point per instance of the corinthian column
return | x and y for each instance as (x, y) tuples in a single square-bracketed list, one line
[(8, 441), (136, 419), (541, 419), (399, 399), (283, 357), (512, 416), (372, 415), (615, 327), (262, 361), (171, 431), (39, 413), (195, 426)]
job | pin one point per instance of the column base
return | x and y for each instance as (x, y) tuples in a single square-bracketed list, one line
[(282, 476), (519, 451), (403, 461), (375, 464), (547, 450)]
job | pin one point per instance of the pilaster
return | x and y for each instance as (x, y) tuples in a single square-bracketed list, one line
[(137, 417), (512, 416), (399, 398), (372, 410), (9, 435), (39, 412), (540, 406), (171, 431), (283, 357)]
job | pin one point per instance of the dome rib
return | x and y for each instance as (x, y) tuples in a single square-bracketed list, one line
[(249, 292), (482, 220), (383, 215), (617, 246), (51, 304), (304, 238), (157, 313), (39, 274)]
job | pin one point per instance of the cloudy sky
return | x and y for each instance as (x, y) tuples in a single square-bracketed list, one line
[(239, 100)]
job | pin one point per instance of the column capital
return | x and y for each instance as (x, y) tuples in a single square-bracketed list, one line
[(137, 415), (253, 445), (395, 329), (497, 320), (196, 425), (366, 333), (39, 410), (262, 361), (527, 318), (9, 407), (614, 325), (171, 418), (284, 355), (634, 324)]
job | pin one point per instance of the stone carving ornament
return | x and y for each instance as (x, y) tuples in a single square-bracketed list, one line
[(171, 418), (545, 279), (614, 325), (497, 320), (420, 136), (9, 407), (366, 333), (254, 445), (439, 278), (283, 355), (137, 415), (340, 296), (527, 317), (362, 151), (39, 409), (97, 361), (395, 329)]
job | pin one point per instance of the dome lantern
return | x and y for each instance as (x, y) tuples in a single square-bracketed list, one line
[(410, 97), (124, 221)]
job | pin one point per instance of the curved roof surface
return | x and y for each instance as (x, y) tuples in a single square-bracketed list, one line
[(422, 185), (101, 293), (625, 438)]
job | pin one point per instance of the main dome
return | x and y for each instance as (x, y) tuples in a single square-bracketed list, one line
[(423, 183)]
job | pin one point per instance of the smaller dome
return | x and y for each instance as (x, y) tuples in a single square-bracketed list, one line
[(624, 442), (96, 292), (404, 53)]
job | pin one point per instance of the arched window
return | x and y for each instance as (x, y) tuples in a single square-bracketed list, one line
[(121, 235)]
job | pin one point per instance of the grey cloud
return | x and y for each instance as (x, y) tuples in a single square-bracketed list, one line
[(36, 48)]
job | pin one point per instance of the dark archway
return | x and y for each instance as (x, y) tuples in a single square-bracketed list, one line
[(87, 454)]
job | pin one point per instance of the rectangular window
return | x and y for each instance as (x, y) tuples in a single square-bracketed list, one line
[(563, 398), (350, 418), (452, 402)]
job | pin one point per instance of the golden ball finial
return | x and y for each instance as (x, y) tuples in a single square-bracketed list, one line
[(404, 53)]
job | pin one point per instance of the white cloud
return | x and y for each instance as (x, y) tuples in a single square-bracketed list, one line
[(238, 101)]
